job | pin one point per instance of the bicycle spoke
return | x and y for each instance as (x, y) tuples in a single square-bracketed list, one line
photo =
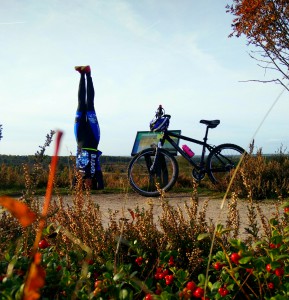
[(146, 182), (222, 162)]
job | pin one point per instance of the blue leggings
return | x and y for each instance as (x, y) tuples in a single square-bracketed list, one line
[(86, 127)]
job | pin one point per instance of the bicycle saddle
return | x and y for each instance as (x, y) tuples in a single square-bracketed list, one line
[(211, 124)]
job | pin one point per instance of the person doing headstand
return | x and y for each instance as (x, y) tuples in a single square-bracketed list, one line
[(87, 133)]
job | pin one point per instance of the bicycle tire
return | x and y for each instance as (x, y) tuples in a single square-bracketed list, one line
[(141, 178), (222, 161)]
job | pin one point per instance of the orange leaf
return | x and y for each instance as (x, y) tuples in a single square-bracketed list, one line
[(131, 213), (35, 280), (19, 210)]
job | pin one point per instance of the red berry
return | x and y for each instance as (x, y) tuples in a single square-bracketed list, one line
[(98, 284), (191, 286), (43, 244), (58, 268), (268, 268), (271, 285), (148, 297), (235, 258), (279, 272), (166, 272), (169, 279), (171, 261), (286, 209), (139, 260), (198, 292), (249, 270), (274, 246), (158, 292), (223, 291), (218, 266)]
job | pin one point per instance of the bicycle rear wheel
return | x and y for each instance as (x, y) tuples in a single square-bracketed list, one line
[(222, 162), (148, 183)]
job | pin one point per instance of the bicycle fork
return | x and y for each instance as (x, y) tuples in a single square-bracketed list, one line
[(154, 164), (158, 169)]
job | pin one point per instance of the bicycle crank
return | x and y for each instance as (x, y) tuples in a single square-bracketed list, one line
[(198, 175)]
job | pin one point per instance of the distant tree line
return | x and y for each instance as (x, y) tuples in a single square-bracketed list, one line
[(18, 160)]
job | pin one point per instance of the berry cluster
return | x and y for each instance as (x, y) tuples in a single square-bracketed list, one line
[(139, 260), (191, 290), (161, 273), (278, 271), (223, 291)]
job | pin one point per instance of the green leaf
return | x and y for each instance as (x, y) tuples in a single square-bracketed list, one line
[(273, 222), (285, 204), (109, 265), (118, 276), (182, 275), (203, 236), (274, 265), (279, 297), (280, 257), (7, 257), (133, 274), (219, 228), (202, 279), (216, 286), (237, 244), (46, 230), (245, 260), (257, 244), (123, 294), (286, 239), (165, 296), (226, 230)]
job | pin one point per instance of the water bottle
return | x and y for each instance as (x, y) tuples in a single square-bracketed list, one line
[(188, 151)]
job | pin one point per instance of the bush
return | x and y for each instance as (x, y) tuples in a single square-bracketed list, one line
[(263, 176)]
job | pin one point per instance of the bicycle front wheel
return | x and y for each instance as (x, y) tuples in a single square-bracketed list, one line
[(150, 183), (222, 162)]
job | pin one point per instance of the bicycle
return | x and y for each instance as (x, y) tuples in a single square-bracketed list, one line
[(155, 169)]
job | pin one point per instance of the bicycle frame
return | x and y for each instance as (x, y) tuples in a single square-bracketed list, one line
[(167, 137)]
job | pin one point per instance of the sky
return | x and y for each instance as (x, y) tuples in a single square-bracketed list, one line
[(142, 53)]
